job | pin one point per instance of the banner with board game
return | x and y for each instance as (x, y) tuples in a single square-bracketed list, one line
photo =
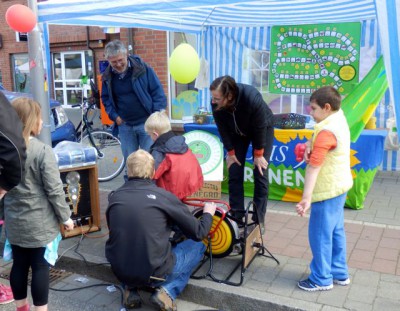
[(304, 58)]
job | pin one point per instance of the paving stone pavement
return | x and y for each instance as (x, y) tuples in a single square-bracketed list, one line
[(373, 247)]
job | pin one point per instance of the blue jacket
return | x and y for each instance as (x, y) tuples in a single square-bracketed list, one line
[(145, 83)]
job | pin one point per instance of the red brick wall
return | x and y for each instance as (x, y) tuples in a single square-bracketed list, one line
[(151, 46), (10, 45)]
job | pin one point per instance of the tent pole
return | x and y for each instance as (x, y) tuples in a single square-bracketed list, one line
[(37, 72)]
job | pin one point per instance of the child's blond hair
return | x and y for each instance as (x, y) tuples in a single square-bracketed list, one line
[(29, 112), (140, 164), (158, 122)]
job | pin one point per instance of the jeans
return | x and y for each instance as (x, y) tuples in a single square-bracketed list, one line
[(188, 255), (236, 177), (328, 241), (133, 137)]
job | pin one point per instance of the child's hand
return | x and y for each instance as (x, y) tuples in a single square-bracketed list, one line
[(2, 193), (302, 207), (69, 225)]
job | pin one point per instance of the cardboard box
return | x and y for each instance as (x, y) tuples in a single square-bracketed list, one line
[(210, 190)]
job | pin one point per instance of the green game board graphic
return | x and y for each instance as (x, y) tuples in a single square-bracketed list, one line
[(304, 58)]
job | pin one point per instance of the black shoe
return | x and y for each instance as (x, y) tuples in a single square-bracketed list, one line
[(132, 299), (236, 215)]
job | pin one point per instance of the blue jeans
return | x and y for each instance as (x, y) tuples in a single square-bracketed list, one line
[(188, 255), (328, 241), (133, 137)]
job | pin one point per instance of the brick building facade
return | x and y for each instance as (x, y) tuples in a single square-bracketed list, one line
[(151, 45)]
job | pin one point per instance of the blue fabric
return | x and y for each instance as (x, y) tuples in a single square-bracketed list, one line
[(328, 241), (129, 107), (133, 137), (145, 84), (188, 255), (50, 254)]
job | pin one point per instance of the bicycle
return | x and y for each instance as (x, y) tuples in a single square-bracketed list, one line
[(110, 160)]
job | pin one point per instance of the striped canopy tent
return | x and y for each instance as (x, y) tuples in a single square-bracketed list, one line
[(198, 16)]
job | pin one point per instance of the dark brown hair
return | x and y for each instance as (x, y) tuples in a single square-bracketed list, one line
[(327, 95), (228, 88)]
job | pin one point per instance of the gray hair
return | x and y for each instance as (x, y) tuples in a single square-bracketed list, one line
[(113, 48)]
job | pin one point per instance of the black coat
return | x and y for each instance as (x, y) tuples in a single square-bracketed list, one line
[(251, 116), (12, 146), (139, 217)]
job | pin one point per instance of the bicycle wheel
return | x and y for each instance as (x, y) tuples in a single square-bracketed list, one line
[(110, 161)]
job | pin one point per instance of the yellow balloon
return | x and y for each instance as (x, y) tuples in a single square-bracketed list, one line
[(184, 63)]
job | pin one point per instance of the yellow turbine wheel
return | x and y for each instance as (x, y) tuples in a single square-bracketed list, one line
[(222, 239)]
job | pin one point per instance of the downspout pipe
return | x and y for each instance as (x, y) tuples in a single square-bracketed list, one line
[(93, 53)]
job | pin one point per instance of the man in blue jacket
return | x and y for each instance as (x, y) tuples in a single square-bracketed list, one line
[(131, 92)]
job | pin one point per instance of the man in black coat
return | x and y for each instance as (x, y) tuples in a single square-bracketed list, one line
[(140, 216)]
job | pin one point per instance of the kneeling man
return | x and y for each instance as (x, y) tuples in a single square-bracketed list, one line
[(140, 216)]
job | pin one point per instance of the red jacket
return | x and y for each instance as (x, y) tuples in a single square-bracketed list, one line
[(177, 169)]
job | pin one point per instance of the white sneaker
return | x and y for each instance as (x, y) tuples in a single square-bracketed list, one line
[(342, 282)]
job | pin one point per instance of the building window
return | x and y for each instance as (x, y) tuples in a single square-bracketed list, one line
[(71, 72), (183, 97), (21, 78)]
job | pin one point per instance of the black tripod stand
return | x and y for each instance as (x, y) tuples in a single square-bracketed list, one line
[(250, 241)]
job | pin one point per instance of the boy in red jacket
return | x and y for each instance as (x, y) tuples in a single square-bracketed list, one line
[(177, 169)]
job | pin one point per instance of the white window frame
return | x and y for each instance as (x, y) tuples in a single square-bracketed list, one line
[(64, 81)]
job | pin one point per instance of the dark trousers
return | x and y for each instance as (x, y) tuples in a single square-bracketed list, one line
[(236, 177), (23, 259)]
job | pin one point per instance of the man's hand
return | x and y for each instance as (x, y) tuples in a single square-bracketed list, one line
[(230, 159), (69, 225), (119, 121), (210, 208), (261, 164)]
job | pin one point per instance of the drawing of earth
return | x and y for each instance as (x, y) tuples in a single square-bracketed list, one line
[(185, 104)]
